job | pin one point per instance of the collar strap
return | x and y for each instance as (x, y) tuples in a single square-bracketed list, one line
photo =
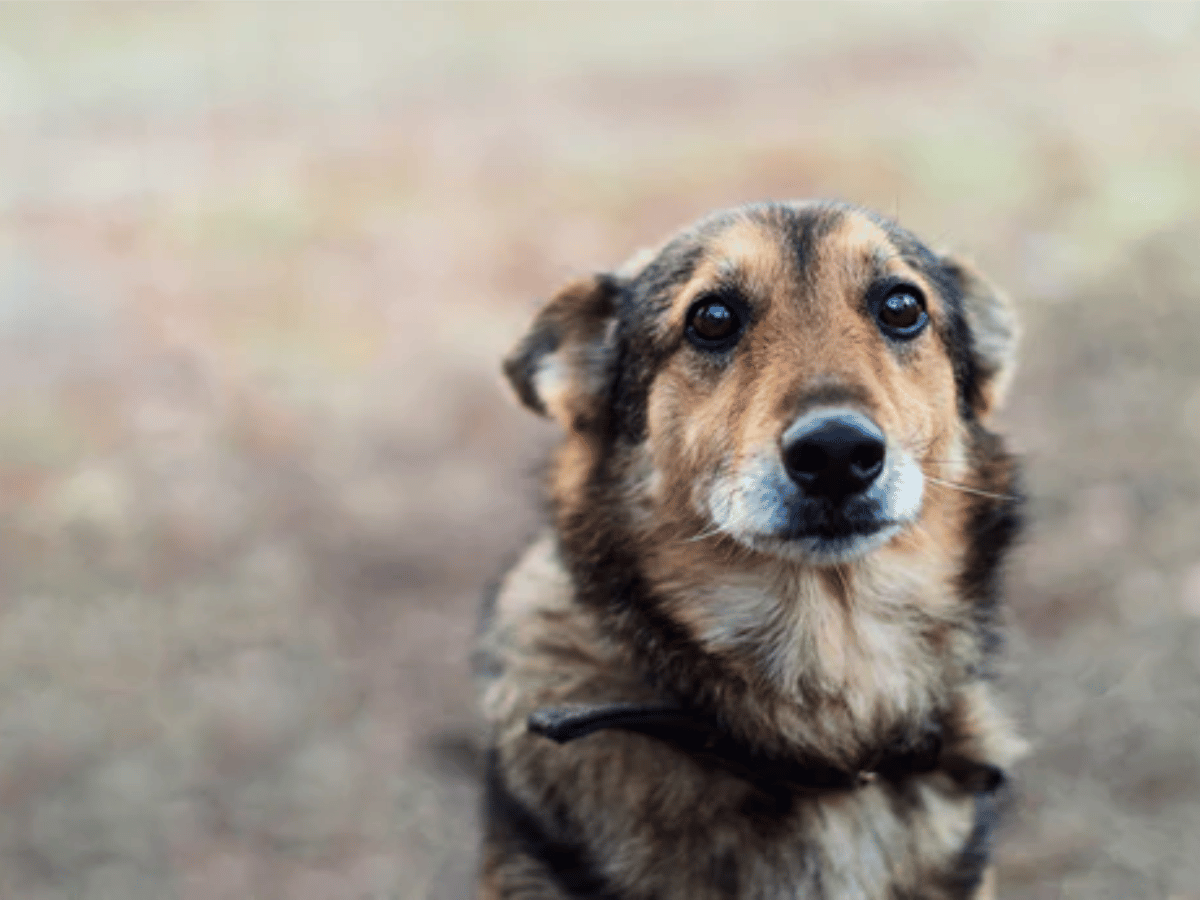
[(701, 738)]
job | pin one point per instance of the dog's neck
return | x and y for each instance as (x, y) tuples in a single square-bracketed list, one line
[(802, 661), (845, 656)]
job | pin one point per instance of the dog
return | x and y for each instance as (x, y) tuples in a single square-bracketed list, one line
[(754, 655)]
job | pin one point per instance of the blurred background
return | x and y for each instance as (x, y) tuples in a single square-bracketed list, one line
[(258, 264)]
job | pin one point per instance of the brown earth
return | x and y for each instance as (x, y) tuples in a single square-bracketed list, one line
[(258, 265)]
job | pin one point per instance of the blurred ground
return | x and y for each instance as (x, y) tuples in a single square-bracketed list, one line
[(258, 264)]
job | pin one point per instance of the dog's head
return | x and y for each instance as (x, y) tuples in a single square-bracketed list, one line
[(793, 377)]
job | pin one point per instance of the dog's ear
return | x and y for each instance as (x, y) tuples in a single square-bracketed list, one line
[(563, 365), (994, 331)]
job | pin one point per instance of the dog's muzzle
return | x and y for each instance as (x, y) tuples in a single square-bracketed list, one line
[(832, 489)]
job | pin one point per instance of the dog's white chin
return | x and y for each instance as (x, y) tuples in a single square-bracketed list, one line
[(819, 551)]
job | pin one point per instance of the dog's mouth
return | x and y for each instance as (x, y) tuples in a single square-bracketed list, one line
[(826, 533), (824, 521), (820, 532), (766, 511)]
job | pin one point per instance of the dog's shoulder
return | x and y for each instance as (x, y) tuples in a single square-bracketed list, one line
[(538, 646)]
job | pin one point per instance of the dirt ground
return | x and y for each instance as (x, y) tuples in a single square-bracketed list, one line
[(258, 265)]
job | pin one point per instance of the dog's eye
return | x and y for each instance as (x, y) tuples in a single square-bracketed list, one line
[(714, 321), (713, 324), (902, 312)]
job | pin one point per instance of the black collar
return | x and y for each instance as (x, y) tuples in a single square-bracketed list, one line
[(703, 739)]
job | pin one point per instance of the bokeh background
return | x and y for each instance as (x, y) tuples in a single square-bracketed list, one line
[(258, 265)]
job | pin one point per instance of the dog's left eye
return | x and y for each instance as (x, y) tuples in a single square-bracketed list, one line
[(713, 324), (902, 312)]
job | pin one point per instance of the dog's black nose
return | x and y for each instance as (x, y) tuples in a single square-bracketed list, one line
[(835, 455)]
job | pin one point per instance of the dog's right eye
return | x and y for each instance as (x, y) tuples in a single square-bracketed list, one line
[(713, 324)]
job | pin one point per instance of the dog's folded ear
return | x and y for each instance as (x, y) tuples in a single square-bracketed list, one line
[(994, 333), (563, 365)]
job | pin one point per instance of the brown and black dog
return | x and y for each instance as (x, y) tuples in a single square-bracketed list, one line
[(752, 657)]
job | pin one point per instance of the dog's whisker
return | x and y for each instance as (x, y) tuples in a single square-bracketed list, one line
[(715, 530), (969, 490)]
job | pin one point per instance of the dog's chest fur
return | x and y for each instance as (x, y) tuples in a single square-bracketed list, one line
[(847, 655), (636, 795)]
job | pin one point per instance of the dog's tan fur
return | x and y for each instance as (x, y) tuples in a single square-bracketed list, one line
[(654, 583)]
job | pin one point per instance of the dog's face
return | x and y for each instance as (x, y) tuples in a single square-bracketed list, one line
[(792, 377)]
